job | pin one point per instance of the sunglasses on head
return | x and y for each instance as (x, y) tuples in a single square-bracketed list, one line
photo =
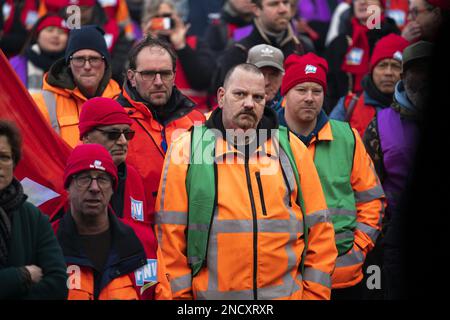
[(115, 134)]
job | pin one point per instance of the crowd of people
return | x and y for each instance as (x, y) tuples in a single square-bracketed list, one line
[(223, 149)]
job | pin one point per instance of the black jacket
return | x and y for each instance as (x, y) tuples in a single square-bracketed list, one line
[(238, 52), (125, 255), (33, 242)]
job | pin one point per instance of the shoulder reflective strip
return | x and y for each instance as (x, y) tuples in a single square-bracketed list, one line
[(353, 257), (317, 217), (171, 217), (317, 276), (164, 177), (369, 195), (371, 232), (287, 168), (341, 212), (181, 283), (50, 103), (198, 227), (246, 226), (343, 235)]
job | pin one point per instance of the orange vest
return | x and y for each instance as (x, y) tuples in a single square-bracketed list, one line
[(67, 106)]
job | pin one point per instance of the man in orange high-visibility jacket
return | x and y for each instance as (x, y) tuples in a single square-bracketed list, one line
[(84, 73), (352, 189), (259, 207)]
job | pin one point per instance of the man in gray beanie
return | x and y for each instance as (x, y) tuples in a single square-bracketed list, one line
[(83, 73)]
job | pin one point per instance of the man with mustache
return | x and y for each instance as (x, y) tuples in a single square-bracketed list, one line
[(83, 73), (159, 111), (272, 27), (238, 202), (378, 85), (107, 257), (352, 190)]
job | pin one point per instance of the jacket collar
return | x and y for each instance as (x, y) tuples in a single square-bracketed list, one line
[(178, 104), (289, 36), (322, 130), (124, 242), (262, 143)]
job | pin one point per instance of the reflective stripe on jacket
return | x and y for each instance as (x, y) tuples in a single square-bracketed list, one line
[(256, 236), (370, 203), (61, 107)]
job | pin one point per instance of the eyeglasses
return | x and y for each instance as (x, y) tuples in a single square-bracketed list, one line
[(114, 135), (81, 61), (150, 75), (84, 181), (414, 12)]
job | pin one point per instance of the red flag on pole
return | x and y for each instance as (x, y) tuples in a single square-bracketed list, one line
[(44, 153)]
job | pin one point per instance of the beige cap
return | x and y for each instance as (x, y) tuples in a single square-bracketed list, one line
[(263, 55)]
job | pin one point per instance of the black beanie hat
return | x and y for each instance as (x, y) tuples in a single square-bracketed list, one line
[(87, 37)]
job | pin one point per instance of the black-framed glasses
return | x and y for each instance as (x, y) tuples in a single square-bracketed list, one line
[(115, 134), (83, 181), (150, 75), (81, 61)]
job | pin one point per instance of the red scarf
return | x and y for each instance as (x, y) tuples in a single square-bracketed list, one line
[(356, 60)]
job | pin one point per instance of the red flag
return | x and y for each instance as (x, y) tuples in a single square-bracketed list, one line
[(44, 153)]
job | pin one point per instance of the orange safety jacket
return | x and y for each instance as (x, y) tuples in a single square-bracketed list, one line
[(127, 274), (256, 235), (370, 205), (146, 151), (62, 107)]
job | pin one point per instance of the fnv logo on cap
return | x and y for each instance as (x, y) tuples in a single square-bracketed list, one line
[(266, 52), (310, 69), (97, 165), (398, 56)]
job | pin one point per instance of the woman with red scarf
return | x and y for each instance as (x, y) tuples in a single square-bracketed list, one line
[(348, 55)]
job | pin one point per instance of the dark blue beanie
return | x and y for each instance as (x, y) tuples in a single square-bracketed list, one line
[(87, 37)]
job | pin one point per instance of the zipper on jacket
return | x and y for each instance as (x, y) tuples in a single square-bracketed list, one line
[(261, 193), (287, 186), (255, 229)]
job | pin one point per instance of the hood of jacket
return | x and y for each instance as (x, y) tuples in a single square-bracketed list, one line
[(60, 76), (178, 105), (402, 104)]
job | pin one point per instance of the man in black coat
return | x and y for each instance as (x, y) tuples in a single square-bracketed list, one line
[(272, 27)]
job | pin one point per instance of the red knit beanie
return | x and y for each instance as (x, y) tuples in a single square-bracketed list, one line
[(443, 4), (52, 21), (307, 67), (99, 111), (388, 47), (87, 157)]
